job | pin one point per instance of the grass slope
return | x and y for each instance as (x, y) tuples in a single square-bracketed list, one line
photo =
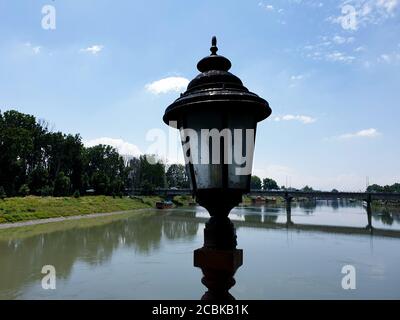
[(32, 208)]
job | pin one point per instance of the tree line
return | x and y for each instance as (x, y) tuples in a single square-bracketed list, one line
[(34, 160), (270, 184), (265, 184), (388, 188)]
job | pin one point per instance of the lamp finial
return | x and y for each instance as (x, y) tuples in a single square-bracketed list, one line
[(214, 48)]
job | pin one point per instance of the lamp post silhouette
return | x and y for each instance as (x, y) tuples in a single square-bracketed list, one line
[(217, 117)]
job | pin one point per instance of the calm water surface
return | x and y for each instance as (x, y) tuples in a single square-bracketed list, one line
[(149, 255)]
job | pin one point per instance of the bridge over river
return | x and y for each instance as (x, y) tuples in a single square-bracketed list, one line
[(289, 195)]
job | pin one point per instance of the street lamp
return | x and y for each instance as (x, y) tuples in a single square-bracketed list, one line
[(217, 117)]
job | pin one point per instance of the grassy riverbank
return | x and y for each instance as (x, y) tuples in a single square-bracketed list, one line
[(33, 208), (248, 200)]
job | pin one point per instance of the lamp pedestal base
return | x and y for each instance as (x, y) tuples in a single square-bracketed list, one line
[(218, 267), (218, 259)]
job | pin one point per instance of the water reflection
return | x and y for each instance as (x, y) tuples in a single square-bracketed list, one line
[(182, 230), (267, 218), (387, 218), (253, 218), (309, 206), (145, 255), (93, 245), (335, 204), (340, 212), (289, 221)]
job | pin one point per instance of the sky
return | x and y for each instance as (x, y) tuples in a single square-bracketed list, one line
[(108, 69)]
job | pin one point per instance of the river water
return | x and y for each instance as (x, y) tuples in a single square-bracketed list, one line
[(148, 254)]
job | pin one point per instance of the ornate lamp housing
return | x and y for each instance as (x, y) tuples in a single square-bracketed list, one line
[(217, 117)]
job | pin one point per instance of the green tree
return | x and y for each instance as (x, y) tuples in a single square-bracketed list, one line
[(105, 169), (255, 183), (30, 154), (117, 185), (38, 180), (101, 183), (133, 174), (34, 160), (270, 184), (3, 194), (147, 187), (47, 191), (24, 190), (20, 149), (375, 188), (177, 177), (152, 172), (395, 187), (65, 153), (307, 189), (62, 185)]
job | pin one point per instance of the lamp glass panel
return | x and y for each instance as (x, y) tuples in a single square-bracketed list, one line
[(210, 141), (243, 142)]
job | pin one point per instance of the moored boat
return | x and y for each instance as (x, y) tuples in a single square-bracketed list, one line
[(164, 204)]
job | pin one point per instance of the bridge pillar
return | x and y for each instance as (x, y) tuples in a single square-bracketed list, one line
[(288, 200), (369, 213)]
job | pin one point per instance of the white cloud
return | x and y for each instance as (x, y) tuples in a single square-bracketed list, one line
[(268, 7), (123, 147), (341, 40), (297, 77), (166, 85), (359, 49), (388, 5), (35, 49), (337, 56), (385, 58), (301, 118), (95, 49), (390, 58), (356, 13), (366, 133), (326, 49)]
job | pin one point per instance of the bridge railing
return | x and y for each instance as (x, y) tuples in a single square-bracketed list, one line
[(366, 196)]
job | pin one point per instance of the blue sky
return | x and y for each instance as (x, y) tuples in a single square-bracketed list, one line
[(330, 70)]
